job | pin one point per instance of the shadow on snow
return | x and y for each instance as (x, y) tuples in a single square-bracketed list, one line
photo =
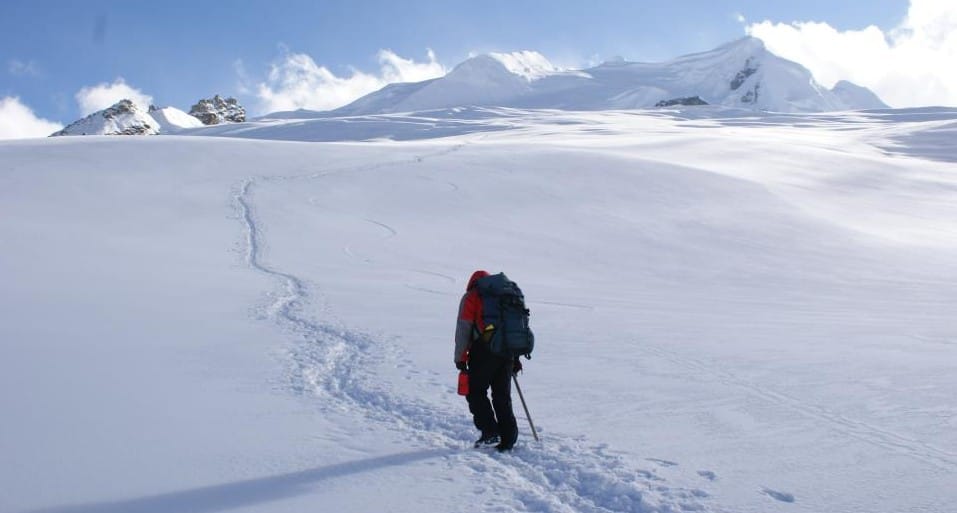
[(247, 492)]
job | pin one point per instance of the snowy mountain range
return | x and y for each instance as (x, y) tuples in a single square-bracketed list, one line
[(740, 74), (126, 118)]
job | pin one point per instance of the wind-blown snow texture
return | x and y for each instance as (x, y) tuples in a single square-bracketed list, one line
[(734, 312)]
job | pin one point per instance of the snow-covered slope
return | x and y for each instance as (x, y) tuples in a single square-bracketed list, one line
[(860, 97), (481, 80), (748, 313), (741, 74), (172, 119), (123, 118)]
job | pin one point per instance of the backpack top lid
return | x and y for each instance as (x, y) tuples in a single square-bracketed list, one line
[(497, 285)]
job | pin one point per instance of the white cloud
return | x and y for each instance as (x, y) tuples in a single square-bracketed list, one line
[(297, 82), (910, 65), (243, 85), (17, 121), (98, 97), (19, 68)]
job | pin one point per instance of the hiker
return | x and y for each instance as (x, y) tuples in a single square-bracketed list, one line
[(485, 369)]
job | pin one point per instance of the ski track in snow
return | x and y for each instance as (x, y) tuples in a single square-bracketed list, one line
[(392, 232), (856, 429), (444, 277), (563, 305), (557, 475)]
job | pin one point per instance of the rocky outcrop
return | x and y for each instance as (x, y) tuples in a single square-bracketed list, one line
[(216, 110), (688, 100), (122, 118), (752, 95), (739, 78)]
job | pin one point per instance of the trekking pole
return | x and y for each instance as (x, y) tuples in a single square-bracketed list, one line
[(525, 407)]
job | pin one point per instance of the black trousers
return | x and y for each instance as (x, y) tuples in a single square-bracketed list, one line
[(487, 370)]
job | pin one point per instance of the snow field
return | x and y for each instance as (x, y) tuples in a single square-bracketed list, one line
[(733, 314)]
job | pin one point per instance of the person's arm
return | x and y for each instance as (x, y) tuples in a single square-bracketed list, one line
[(465, 325)]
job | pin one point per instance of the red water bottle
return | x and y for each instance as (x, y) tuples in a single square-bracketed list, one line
[(463, 383)]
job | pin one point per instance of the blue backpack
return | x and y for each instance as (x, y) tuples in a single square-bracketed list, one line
[(505, 317)]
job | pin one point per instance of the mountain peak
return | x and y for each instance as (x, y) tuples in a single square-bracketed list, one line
[(750, 43), (526, 63), (482, 64), (121, 118), (853, 94)]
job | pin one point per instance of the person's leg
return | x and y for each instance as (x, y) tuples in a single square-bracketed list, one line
[(480, 376), (501, 382)]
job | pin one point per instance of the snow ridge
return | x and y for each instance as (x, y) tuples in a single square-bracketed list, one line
[(558, 475)]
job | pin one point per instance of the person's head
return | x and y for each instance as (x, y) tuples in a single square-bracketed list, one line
[(475, 277)]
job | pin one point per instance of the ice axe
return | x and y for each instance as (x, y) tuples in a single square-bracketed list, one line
[(525, 407)]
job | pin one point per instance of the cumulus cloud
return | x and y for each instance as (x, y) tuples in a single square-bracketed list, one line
[(17, 121), (98, 97), (909, 65), (297, 82)]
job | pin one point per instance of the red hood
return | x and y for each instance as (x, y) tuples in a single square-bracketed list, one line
[(475, 277)]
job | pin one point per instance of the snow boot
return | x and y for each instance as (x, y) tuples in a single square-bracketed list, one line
[(488, 440), (507, 441)]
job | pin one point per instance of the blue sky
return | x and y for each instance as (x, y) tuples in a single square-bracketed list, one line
[(176, 52)]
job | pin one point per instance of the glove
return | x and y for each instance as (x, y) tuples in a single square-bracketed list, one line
[(463, 365), (516, 366)]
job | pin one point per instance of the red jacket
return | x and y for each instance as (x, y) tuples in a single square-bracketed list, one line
[(470, 318)]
